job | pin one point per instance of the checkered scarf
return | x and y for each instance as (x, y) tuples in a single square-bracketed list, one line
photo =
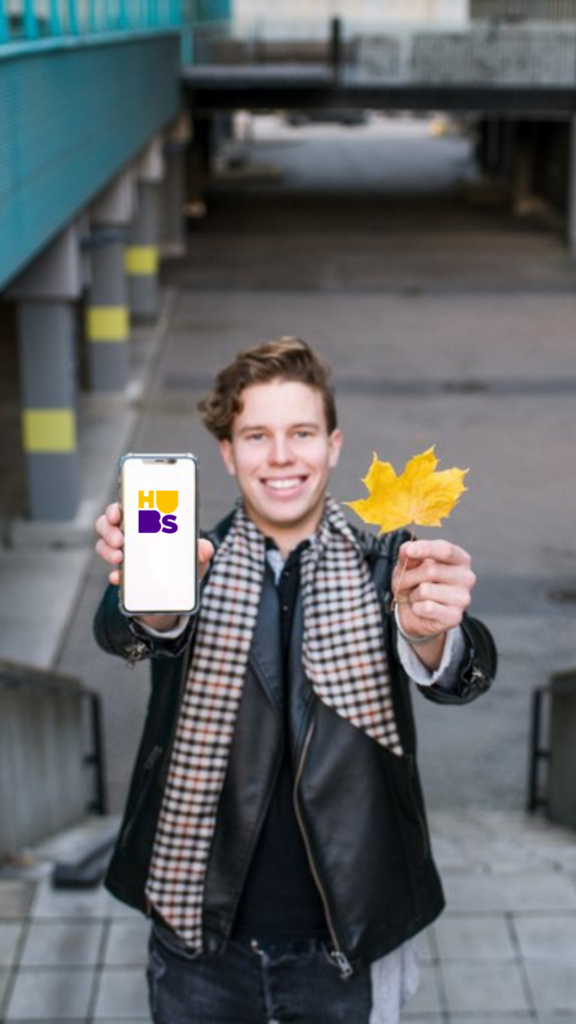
[(344, 659)]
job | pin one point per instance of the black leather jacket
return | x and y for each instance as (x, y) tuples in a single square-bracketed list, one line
[(359, 806)]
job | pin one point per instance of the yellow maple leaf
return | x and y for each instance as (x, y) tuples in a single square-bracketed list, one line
[(419, 496)]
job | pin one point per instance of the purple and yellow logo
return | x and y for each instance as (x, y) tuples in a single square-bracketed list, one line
[(159, 518)]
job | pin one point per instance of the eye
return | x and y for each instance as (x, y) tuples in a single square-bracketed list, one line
[(255, 435), (304, 433)]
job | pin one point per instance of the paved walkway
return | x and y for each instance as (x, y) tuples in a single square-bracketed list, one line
[(503, 952)]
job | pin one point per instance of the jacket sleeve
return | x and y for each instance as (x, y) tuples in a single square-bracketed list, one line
[(479, 662), (119, 634), (477, 668)]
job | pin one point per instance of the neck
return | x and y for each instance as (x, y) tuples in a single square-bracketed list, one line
[(287, 541), (288, 537)]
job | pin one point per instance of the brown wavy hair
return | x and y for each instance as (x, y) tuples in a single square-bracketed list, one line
[(287, 359)]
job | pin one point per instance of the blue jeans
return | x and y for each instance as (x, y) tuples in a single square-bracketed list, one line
[(252, 984)]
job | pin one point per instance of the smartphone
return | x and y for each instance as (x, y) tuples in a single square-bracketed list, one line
[(159, 495)]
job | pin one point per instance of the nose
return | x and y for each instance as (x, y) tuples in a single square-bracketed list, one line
[(280, 451)]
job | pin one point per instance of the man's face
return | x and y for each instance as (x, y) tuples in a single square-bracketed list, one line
[(281, 455)]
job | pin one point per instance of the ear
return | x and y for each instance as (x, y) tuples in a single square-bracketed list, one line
[(227, 456), (334, 447)]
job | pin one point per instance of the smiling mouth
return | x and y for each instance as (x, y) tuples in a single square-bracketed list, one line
[(288, 483)]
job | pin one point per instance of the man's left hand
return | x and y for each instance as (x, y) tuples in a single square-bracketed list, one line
[(432, 584)]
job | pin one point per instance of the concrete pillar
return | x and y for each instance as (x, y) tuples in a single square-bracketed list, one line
[(47, 346), (46, 294), (572, 190), (493, 146), (523, 179), (508, 149), (199, 162), (107, 315), (173, 233), (142, 252), (107, 319)]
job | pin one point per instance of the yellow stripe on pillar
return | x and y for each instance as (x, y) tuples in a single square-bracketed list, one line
[(107, 323), (49, 430), (141, 259)]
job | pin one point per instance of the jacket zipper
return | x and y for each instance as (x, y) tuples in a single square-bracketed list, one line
[(136, 653), (336, 954)]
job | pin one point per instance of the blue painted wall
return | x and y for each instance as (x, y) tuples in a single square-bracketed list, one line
[(70, 117)]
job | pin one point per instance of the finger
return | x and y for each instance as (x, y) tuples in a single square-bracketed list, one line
[(440, 550), (112, 535), (429, 616), (205, 551), (113, 513), (440, 594), (112, 555), (432, 571), (115, 577)]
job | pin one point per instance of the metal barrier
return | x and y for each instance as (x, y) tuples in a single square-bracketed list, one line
[(37, 20), (488, 53), (44, 718), (524, 10), (33, 20), (554, 705)]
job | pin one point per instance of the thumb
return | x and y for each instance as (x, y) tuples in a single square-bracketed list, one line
[(205, 551)]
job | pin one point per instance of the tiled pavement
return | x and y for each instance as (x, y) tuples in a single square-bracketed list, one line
[(504, 950)]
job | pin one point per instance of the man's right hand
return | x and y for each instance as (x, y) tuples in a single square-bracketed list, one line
[(110, 543), (110, 547)]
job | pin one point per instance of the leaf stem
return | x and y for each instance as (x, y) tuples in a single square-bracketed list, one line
[(399, 587)]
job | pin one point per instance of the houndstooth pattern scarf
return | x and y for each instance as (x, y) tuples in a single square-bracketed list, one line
[(344, 659)]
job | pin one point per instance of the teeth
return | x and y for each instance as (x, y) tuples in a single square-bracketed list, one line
[(282, 485)]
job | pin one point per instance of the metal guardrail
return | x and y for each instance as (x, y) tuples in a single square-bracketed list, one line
[(533, 54), (46, 722), (552, 752), (484, 55), (523, 10), (34, 20)]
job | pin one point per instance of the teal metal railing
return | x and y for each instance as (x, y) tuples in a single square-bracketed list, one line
[(32, 20)]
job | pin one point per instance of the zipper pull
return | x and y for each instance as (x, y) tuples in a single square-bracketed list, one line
[(137, 651), (342, 963)]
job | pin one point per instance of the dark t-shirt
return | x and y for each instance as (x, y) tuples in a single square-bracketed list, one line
[(280, 900)]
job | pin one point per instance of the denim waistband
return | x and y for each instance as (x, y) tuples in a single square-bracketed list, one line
[(273, 947), (283, 947)]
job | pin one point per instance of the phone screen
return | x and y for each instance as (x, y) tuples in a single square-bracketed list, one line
[(159, 501)]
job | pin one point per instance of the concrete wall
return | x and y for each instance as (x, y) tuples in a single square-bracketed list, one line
[(374, 11)]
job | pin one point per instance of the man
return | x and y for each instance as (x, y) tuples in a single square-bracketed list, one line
[(275, 830)]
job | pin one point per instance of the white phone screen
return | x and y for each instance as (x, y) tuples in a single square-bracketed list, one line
[(159, 572)]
